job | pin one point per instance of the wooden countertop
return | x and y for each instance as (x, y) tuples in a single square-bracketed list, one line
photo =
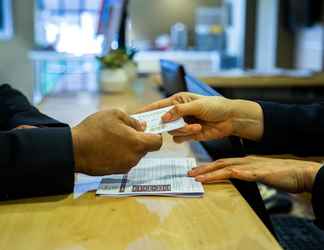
[(256, 81), (220, 220)]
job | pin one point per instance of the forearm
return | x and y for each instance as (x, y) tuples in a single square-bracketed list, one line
[(271, 128), (36, 162), (247, 120)]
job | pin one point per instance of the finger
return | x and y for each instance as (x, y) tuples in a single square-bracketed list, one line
[(25, 127), (217, 175), (131, 122), (187, 130), (151, 142), (181, 110), (182, 139), (203, 169), (192, 137), (156, 105)]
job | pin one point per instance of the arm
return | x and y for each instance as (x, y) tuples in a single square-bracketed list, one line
[(293, 129), (36, 162), (317, 198), (15, 110), (267, 128)]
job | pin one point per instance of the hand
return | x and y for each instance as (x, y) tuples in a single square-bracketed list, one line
[(293, 176), (25, 127), (111, 142), (212, 117)]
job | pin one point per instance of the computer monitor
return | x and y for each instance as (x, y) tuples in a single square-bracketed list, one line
[(173, 77), (231, 147)]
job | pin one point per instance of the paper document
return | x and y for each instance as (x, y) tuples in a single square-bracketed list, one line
[(154, 121), (85, 183), (154, 176)]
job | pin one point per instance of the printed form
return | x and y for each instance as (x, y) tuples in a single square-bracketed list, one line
[(154, 176), (154, 121)]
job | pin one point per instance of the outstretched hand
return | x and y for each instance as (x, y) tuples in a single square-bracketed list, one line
[(210, 118), (293, 176)]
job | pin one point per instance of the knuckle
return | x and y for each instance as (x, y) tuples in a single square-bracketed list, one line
[(231, 171), (117, 112), (138, 144)]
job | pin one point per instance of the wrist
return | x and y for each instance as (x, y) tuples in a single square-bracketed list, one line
[(310, 175), (77, 151), (247, 119)]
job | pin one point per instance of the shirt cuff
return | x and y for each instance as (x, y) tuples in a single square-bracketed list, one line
[(317, 198)]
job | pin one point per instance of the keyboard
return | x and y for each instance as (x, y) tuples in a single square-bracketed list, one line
[(296, 233)]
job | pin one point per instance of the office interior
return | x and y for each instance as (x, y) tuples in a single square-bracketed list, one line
[(63, 52)]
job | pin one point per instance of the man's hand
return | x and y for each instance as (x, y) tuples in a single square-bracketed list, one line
[(212, 117), (111, 142), (293, 176)]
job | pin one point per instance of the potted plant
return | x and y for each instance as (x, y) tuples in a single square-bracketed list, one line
[(117, 71)]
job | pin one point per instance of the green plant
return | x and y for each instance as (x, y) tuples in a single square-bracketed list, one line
[(116, 59)]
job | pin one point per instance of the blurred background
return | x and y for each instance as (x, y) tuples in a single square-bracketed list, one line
[(50, 46)]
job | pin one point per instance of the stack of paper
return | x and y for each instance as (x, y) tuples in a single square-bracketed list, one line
[(154, 176)]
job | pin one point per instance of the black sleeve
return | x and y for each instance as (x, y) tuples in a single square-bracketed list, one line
[(15, 110), (290, 129), (317, 198), (33, 162), (36, 162)]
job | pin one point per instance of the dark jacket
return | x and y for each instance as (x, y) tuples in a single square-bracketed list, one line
[(298, 130), (33, 162)]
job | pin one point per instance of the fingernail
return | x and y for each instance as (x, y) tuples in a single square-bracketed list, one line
[(167, 117)]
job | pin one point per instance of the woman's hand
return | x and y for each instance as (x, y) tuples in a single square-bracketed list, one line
[(211, 118), (293, 176)]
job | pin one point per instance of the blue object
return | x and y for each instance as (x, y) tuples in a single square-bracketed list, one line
[(198, 87)]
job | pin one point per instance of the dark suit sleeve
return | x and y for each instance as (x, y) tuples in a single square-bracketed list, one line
[(16, 110), (36, 162), (290, 129), (317, 198), (33, 162)]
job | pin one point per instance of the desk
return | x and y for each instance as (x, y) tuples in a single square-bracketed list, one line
[(220, 220), (317, 80)]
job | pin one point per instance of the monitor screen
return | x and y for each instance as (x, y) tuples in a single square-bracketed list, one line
[(173, 77), (196, 86)]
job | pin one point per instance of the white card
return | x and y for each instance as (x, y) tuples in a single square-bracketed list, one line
[(154, 122)]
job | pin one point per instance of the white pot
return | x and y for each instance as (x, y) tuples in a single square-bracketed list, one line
[(114, 80), (131, 70)]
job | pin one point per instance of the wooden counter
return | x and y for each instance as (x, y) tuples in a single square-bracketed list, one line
[(220, 220), (256, 81)]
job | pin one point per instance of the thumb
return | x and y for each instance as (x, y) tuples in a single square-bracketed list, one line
[(152, 142), (181, 110)]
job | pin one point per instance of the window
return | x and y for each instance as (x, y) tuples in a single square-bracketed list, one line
[(6, 30), (68, 25)]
